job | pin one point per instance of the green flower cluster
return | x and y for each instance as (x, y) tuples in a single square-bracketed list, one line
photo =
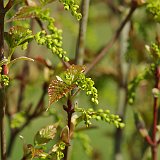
[(154, 8), (58, 149), (18, 36), (104, 115), (87, 84), (154, 54), (75, 75), (4, 80), (52, 41), (155, 51), (71, 5)]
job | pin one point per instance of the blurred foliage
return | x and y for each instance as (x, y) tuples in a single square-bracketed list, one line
[(104, 18)]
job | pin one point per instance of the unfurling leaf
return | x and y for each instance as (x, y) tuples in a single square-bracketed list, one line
[(18, 35), (58, 89), (30, 152), (65, 135), (46, 134)]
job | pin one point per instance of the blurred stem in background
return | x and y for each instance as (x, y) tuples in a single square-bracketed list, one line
[(80, 49), (105, 49), (123, 70)]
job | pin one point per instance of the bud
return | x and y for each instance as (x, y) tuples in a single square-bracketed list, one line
[(155, 92)]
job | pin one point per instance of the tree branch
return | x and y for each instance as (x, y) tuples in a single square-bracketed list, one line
[(123, 68), (9, 5), (1, 4), (80, 50), (115, 37)]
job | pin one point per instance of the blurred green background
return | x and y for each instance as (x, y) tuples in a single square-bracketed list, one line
[(105, 17)]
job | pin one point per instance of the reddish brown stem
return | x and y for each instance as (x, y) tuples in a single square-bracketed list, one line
[(2, 88), (149, 140), (69, 109), (155, 116), (9, 5)]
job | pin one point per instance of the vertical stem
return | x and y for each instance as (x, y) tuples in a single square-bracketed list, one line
[(155, 115), (69, 111), (123, 69), (2, 89), (2, 123), (82, 32)]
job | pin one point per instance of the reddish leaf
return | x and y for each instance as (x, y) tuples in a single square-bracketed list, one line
[(76, 69), (25, 12), (58, 89)]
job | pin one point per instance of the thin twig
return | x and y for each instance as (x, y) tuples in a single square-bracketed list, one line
[(80, 50), (110, 44), (2, 123), (9, 5), (1, 4), (2, 88)]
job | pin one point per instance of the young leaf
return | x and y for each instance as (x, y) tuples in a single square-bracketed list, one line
[(45, 134), (17, 36), (75, 75), (58, 89), (65, 135), (25, 12), (31, 152)]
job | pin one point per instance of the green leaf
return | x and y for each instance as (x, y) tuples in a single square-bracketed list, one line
[(46, 134), (30, 152), (18, 35), (86, 142), (58, 89), (73, 7), (153, 7)]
